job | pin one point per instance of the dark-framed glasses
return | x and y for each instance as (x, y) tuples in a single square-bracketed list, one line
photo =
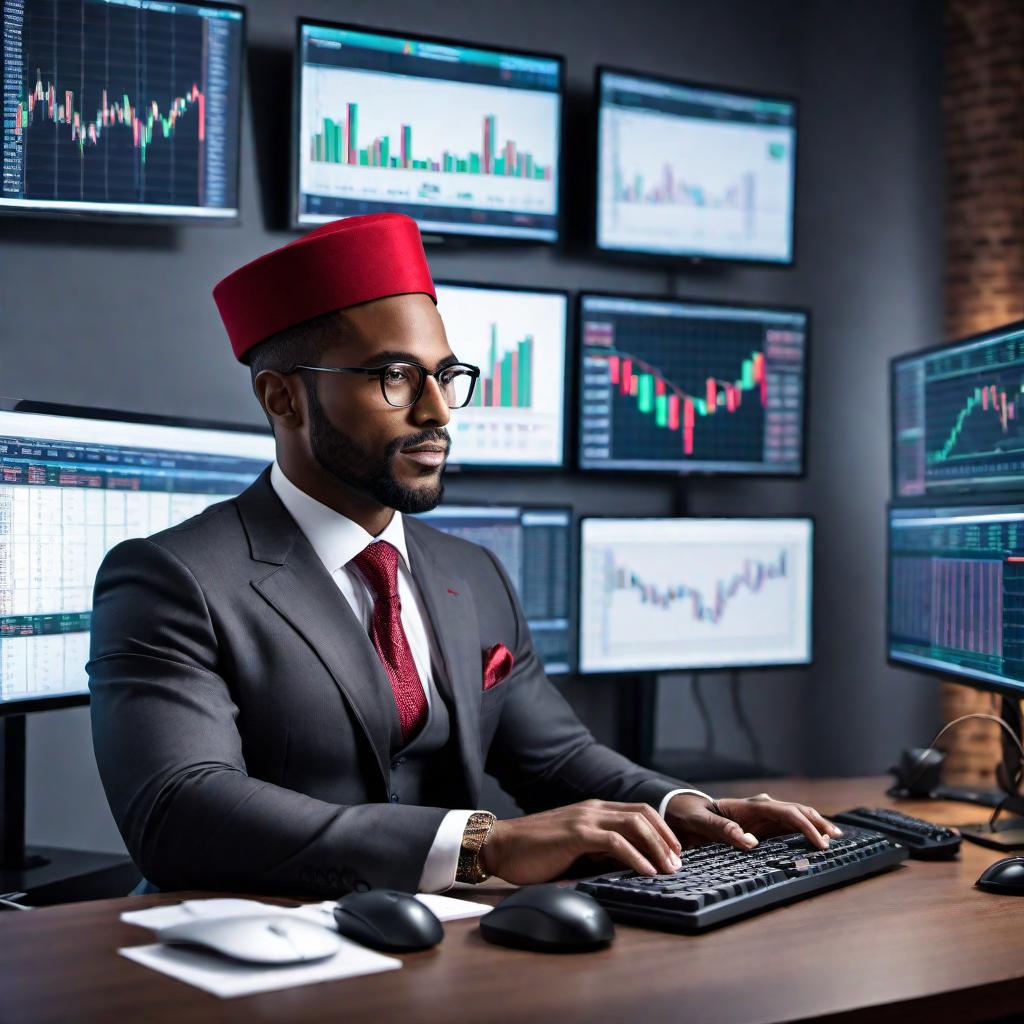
[(402, 383)]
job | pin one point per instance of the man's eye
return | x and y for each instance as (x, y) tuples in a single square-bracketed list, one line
[(395, 375)]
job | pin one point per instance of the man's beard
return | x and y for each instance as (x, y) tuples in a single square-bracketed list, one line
[(348, 461)]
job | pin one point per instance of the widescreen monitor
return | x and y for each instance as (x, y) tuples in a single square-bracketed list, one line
[(73, 483), (694, 171), (463, 138), (518, 339), (691, 387), (664, 594), (535, 547), (958, 417), (121, 107), (956, 593)]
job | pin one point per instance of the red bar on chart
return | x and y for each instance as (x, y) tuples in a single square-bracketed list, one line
[(687, 426), (613, 369), (627, 374), (712, 398), (673, 412)]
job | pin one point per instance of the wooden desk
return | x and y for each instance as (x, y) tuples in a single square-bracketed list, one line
[(919, 943)]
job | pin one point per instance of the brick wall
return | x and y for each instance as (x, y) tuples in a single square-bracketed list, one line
[(983, 108)]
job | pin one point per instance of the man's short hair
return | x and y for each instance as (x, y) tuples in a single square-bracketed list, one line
[(301, 343)]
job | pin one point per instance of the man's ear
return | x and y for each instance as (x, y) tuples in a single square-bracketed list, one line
[(281, 397)]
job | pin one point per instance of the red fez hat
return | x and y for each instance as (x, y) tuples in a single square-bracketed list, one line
[(338, 265)]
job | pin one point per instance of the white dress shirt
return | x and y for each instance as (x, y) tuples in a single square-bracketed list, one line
[(336, 540)]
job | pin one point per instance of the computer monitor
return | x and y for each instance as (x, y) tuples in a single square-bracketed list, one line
[(677, 386), (956, 593), (466, 139), (73, 483), (534, 544), (663, 594), (958, 417), (118, 108), (697, 172), (517, 337)]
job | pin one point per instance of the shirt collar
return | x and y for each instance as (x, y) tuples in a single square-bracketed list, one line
[(335, 538)]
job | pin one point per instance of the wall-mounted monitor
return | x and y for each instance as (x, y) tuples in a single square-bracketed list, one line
[(663, 594), (534, 545), (73, 483), (676, 386), (517, 337), (121, 108), (956, 593), (466, 139), (689, 171), (958, 417)]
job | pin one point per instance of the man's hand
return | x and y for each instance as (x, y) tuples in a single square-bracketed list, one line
[(540, 847), (742, 822)]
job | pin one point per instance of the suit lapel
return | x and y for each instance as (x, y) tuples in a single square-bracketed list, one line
[(303, 593), (449, 604)]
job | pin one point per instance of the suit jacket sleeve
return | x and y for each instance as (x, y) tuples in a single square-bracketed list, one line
[(171, 761), (543, 755)]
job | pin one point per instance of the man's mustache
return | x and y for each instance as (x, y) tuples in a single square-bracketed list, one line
[(424, 437)]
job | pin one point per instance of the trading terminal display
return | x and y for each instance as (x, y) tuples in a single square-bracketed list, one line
[(70, 489), (685, 387), (958, 417), (534, 545), (956, 592), (121, 107)]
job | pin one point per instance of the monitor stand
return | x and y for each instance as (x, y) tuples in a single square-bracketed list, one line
[(1004, 832), (42, 876)]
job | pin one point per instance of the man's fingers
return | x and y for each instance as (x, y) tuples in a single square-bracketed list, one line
[(642, 833), (794, 816), (719, 829), (615, 845), (661, 825), (820, 822)]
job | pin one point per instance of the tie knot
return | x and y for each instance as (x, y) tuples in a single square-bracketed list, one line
[(379, 565)]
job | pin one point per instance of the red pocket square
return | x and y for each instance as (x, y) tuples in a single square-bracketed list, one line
[(497, 665)]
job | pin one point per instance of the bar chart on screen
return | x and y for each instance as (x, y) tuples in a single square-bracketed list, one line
[(517, 338), (694, 593)]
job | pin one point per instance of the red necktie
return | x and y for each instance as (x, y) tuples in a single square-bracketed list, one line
[(379, 565)]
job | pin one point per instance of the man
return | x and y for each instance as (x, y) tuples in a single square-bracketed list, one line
[(299, 690)]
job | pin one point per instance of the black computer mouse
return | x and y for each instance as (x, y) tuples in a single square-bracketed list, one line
[(387, 920), (1006, 877), (550, 918)]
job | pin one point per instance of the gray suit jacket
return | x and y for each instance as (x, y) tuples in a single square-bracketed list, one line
[(242, 719)]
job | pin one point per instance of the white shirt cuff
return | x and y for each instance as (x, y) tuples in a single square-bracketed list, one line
[(663, 806), (442, 861)]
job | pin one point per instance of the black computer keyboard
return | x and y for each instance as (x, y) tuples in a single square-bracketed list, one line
[(922, 839), (718, 883)]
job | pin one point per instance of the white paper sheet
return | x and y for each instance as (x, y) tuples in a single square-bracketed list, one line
[(225, 978)]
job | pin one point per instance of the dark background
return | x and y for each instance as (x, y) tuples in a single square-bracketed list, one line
[(121, 316)]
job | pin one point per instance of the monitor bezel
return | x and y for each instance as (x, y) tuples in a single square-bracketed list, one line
[(951, 674), (682, 259), (129, 217), (572, 582), (460, 469), (433, 236), (988, 495), (30, 705), (675, 473), (660, 670)]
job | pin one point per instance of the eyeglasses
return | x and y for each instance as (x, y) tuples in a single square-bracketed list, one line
[(402, 384)]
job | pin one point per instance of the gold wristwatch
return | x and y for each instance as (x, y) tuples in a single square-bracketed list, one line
[(478, 828)]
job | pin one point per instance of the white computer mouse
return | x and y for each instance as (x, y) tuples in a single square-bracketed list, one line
[(258, 939)]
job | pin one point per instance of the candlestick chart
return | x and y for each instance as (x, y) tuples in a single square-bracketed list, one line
[(111, 104), (975, 419)]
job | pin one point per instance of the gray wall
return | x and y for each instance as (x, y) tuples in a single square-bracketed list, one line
[(132, 326)]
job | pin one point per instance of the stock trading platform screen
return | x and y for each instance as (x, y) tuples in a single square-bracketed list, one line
[(958, 417), (465, 140), (127, 107), (690, 387), (71, 487), (694, 172), (661, 594), (956, 592), (534, 546), (518, 339)]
